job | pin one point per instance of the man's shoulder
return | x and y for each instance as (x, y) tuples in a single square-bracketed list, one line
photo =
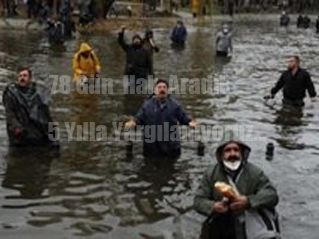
[(149, 101), (304, 71), (285, 72), (10, 88), (212, 169), (252, 168), (172, 100)]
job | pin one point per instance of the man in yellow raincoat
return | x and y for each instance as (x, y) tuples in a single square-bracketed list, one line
[(85, 63)]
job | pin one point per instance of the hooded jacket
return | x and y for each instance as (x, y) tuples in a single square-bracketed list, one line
[(85, 66), (251, 182), (25, 110)]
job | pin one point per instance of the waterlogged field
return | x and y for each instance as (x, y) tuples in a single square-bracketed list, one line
[(93, 190)]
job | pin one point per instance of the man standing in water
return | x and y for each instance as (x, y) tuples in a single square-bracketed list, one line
[(294, 82), (317, 25), (86, 65), (179, 34), (27, 116), (224, 42), (138, 62), (160, 115), (246, 206), (284, 19)]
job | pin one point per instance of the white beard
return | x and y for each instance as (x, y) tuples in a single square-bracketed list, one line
[(233, 166)]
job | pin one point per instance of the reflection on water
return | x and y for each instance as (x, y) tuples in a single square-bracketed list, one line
[(93, 190), (27, 172), (289, 119)]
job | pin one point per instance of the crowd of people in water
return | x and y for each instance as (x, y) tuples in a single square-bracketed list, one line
[(242, 207), (303, 21)]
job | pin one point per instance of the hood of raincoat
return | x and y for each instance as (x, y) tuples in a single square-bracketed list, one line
[(85, 47), (230, 137)]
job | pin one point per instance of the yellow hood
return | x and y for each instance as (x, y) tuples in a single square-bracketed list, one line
[(85, 47)]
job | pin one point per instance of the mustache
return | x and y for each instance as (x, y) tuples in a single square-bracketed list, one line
[(233, 158)]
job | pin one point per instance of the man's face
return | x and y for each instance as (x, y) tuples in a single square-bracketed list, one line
[(24, 78), (232, 152), (86, 54), (161, 90), (292, 63), (137, 41)]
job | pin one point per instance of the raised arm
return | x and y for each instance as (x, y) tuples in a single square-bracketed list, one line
[(121, 40)]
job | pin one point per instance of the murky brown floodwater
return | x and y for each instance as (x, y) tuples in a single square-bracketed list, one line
[(93, 191)]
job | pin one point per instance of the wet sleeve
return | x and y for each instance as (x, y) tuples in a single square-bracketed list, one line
[(76, 65), (265, 195), (10, 109), (202, 201), (182, 116), (122, 42), (280, 83), (97, 63), (310, 87), (140, 116)]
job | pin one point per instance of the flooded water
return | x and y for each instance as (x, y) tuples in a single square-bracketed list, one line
[(92, 190)]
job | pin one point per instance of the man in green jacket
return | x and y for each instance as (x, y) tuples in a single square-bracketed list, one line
[(27, 115), (226, 219)]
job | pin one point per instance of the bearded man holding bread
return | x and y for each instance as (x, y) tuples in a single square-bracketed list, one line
[(237, 196)]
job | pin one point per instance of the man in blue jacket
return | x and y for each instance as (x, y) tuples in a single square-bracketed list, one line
[(179, 34), (160, 115)]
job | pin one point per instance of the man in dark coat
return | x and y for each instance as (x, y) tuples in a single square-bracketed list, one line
[(138, 61), (66, 18), (55, 32), (294, 82), (27, 116), (160, 116), (179, 34), (252, 191), (300, 21), (307, 22), (87, 14), (284, 19)]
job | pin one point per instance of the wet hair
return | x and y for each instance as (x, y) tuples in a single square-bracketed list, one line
[(26, 69), (137, 36), (297, 58), (162, 81)]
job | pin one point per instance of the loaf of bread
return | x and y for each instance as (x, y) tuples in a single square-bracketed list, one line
[(225, 189)]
